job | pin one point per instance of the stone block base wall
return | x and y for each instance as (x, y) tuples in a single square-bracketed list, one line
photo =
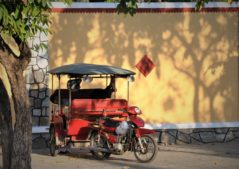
[(198, 136), (172, 136), (37, 81), (40, 141)]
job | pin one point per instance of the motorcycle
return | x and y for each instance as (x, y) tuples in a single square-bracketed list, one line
[(111, 136)]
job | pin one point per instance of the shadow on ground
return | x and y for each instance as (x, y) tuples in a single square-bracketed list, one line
[(114, 160), (227, 150)]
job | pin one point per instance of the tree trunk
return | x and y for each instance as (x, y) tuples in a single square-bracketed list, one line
[(21, 149), (18, 154), (5, 126)]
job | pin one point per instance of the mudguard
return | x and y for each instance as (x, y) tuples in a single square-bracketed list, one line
[(137, 121), (143, 131)]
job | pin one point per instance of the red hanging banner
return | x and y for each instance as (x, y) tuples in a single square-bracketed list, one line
[(145, 65)]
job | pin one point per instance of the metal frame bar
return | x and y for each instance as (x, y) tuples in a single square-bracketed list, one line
[(52, 106), (128, 90), (69, 96), (59, 93)]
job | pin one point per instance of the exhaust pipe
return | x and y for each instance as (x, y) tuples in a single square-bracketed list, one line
[(100, 149)]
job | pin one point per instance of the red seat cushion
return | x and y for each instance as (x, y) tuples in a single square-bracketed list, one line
[(97, 106)]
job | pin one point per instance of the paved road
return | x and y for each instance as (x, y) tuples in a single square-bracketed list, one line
[(210, 156)]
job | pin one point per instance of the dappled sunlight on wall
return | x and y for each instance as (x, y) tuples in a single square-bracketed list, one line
[(196, 73)]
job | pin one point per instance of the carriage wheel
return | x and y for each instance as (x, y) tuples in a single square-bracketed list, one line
[(52, 145)]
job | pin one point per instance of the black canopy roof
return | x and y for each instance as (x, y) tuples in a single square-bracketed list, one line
[(90, 69)]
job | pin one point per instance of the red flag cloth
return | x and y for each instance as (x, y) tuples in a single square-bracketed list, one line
[(145, 65)]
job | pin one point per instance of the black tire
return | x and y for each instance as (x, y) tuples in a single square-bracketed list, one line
[(150, 149), (102, 143), (52, 143)]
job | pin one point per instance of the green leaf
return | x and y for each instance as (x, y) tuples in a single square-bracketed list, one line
[(1, 15), (9, 40), (68, 2)]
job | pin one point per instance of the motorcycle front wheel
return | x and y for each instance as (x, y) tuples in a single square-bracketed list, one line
[(148, 151), (97, 141)]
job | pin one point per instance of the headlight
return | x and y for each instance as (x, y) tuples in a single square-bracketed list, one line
[(137, 110)]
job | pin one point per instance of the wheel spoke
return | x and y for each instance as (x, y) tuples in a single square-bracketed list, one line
[(149, 151)]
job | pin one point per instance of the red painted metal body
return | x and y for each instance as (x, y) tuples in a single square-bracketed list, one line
[(85, 111), (144, 131), (111, 136), (137, 121), (82, 113), (92, 109), (78, 128), (131, 110)]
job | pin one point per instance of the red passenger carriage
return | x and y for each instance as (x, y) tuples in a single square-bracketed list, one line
[(93, 118)]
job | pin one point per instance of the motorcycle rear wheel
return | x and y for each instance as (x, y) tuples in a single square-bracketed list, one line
[(98, 141), (149, 151)]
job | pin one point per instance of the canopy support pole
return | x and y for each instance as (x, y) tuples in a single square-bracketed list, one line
[(59, 93), (128, 90), (70, 96), (52, 106)]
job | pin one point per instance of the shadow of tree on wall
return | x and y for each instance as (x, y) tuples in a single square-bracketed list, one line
[(203, 48), (111, 39), (192, 47), (228, 87)]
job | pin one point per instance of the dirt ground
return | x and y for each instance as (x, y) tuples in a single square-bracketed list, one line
[(206, 156)]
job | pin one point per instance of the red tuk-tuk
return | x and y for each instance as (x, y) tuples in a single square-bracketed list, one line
[(93, 119)]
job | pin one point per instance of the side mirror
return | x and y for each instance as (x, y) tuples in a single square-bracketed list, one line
[(131, 78), (74, 84), (87, 79)]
